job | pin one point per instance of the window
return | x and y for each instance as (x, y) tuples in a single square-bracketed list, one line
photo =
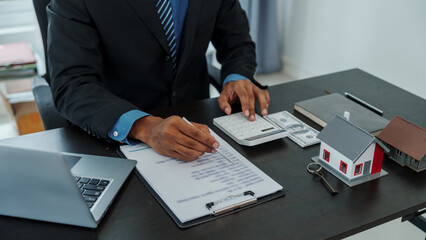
[(326, 155), (343, 167), (358, 169), (398, 152), (407, 159)]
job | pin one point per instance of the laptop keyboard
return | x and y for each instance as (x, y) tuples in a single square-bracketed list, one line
[(91, 188)]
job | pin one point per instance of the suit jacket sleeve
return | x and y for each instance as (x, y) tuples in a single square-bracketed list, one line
[(75, 62), (231, 38)]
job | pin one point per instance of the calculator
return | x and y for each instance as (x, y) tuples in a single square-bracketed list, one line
[(247, 133)]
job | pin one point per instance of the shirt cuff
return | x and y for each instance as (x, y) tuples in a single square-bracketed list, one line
[(122, 127), (233, 77)]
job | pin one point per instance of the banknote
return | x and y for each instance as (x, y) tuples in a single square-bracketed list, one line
[(300, 133)]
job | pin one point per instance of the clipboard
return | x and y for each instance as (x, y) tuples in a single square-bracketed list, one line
[(229, 187), (206, 218)]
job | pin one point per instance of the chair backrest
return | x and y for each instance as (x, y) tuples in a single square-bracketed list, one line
[(40, 10), (42, 93)]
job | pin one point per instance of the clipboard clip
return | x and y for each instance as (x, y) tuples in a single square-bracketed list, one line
[(231, 202)]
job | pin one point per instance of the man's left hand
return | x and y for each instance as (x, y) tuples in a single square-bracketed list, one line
[(247, 93)]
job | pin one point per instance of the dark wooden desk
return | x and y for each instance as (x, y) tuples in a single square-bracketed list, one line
[(308, 211)]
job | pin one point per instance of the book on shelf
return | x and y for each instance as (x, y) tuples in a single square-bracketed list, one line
[(17, 60)]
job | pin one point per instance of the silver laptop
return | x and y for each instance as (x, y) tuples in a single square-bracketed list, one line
[(67, 188)]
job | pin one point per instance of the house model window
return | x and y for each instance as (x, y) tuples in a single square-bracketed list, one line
[(343, 167), (398, 152), (326, 155), (358, 169)]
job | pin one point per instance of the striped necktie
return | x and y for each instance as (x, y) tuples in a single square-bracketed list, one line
[(164, 10)]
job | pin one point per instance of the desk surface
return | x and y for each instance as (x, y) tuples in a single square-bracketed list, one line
[(308, 211)]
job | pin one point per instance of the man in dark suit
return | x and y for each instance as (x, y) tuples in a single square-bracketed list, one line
[(112, 60)]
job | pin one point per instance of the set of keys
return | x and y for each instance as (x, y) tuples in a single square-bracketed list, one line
[(315, 169)]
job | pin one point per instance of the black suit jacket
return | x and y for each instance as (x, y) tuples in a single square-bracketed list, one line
[(107, 57)]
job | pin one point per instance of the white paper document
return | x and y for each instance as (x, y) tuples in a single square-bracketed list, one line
[(186, 187)]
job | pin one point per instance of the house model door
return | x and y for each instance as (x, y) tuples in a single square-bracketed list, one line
[(367, 168)]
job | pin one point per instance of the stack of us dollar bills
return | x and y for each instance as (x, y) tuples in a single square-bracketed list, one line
[(300, 132)]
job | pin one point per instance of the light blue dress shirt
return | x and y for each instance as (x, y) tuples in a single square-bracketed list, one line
[(122, 127)]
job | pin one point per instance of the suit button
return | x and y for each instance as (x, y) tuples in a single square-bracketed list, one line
[(174, 94), (115, 133), (168, 58)]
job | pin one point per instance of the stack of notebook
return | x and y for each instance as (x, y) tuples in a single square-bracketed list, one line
[(322, 110), (16, 60)]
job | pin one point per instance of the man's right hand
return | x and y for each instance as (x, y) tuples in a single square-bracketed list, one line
[(174, 137)]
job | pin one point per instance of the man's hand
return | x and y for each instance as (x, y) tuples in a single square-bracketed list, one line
[(174, 137), (247, 93)]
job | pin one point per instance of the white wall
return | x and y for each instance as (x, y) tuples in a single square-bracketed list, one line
[(386, 38)]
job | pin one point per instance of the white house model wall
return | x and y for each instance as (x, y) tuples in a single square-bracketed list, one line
[(336, 158)]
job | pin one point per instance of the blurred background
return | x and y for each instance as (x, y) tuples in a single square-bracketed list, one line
[(295, 39)]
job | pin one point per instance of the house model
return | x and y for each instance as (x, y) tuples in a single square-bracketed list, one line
[(407, 143), (350, 153)]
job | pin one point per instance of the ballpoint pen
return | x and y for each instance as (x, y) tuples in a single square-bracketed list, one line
[(364, 103), (217, 149)]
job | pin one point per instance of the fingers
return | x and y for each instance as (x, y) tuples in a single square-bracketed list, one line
[(202, 127), (247, 100), (181, 153), (187, 154), (194, 142), (247, 93), (196, 138), (263, 98), (176, 138), (224, 103)]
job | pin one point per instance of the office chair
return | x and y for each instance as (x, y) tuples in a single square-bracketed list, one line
[(50, 117)]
